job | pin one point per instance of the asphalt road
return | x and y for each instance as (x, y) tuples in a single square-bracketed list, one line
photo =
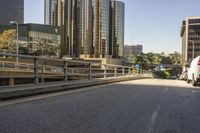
[(142, 106)]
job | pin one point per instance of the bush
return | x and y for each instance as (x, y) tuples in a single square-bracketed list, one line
[(163, 74), (175, 71)]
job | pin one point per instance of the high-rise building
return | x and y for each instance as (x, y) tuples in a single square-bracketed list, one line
[(53, 12), (134, 49), (86, 17), (117, 28), (101, 25), (190, 34), (78, 37), (11, 10), (68, 25), (85, 25), (63, 13)]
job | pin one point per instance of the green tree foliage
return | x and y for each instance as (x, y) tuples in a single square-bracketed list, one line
[(133, 58), (163, 74), (142, 60), (154, 58), (8, 41), (149, 59), (166, 60), (176, 58)]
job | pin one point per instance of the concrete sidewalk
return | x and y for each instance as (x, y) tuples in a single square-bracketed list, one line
[(17, 91)]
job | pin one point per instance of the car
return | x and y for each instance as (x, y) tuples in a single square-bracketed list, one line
[(173, 77), (193, 74)]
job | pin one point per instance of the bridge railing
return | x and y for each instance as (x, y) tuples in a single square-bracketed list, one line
[(43, 69)]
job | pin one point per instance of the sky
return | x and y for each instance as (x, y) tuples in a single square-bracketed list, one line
[(155, 24)]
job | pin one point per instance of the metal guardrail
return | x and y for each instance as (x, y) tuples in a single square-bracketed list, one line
[(40, 68)]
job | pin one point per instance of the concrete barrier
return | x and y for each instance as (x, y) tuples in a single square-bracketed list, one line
[(28, 90)]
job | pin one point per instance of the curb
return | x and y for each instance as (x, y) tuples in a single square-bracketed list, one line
[(11, 93)]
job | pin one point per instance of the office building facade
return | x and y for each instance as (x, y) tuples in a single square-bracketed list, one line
[(53, 12), (68, 25), (11, 10), (101, 25), (86, 19), (190, 34), (64, 13), (85, 25), (34, 36), (36, 32), (117, 28), (132, 50)]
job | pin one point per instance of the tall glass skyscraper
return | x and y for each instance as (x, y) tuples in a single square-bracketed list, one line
[(53, 12), (87, 27), (101, 14), (63, 13), (117, 28), (11, 10), (72, 21)]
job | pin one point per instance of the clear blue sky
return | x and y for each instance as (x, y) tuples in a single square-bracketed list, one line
[(155, 23)]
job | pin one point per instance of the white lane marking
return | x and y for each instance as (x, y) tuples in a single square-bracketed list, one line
[(166, 89), (195, 91), (155, 113), (153, 119)]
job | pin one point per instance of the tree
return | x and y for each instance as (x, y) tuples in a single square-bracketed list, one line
[(154, 58), (8, 41), (166, 60), (176, 58), (133, 58), (157, 58), (150, 58), (46, 48), (142, 60)]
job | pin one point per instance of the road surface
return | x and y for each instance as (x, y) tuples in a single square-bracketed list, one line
[(142, 106)]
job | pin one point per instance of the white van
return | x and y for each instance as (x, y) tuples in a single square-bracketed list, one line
[(193, 74)]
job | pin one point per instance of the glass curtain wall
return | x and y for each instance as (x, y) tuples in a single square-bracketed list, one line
[(117, 29)]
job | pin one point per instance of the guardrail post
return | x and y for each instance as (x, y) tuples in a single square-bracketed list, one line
[(36, 73), (11, 81), (115, 71), (123, 71), (28, 67), (105, 72), (90, 72), (129, 71), (42, 80), (65, 71), (16, 65)]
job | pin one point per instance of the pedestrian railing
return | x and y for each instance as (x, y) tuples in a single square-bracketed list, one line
[(42, 69)]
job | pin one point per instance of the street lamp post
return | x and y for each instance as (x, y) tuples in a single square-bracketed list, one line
[(192, 48), (17, 43)]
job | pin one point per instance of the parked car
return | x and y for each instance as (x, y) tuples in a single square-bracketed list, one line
[(173, 77), (193, 74)]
